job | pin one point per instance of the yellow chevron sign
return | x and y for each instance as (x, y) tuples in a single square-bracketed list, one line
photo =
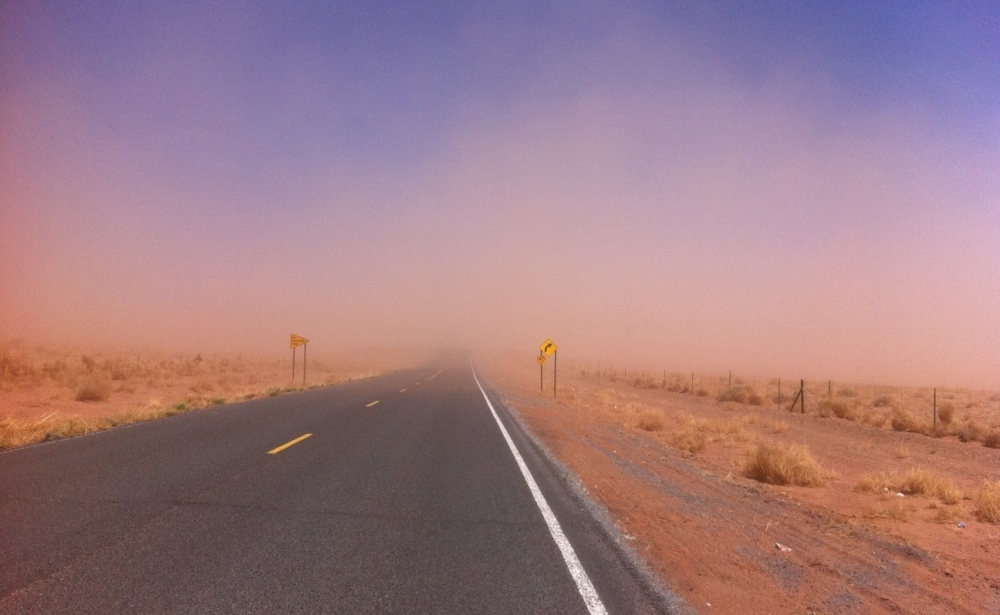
[(548, 347), (297, 341)]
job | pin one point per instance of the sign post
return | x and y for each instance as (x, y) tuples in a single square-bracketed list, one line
[(541, 372), (297, 341), (548, 348)]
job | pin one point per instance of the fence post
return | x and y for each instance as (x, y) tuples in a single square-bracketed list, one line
[(802, 389), (935, 409)]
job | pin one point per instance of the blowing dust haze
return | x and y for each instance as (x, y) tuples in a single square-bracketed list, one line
[(809, 190)]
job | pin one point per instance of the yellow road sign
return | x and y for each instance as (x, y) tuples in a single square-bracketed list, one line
[(541, 358), (297, 341), (548, 347)]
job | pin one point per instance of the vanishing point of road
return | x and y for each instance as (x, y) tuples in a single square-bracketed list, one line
[(412, 492)]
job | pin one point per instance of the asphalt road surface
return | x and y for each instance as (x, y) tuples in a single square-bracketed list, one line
[(419, 503)]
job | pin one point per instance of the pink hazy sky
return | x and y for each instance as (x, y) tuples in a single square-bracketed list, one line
[(688, 189)]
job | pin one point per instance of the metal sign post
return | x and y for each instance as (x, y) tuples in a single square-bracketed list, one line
[(296, 341), (541, 372), (548, 348)]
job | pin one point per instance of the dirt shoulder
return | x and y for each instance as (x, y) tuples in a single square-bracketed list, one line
[(730, 544)]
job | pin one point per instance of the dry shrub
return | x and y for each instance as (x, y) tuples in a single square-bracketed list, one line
[(902, 452), (950, 515), (946, 413), (93, 391), (895, 511), (846, 392), (742, 395), (915, 481), (902, 420), (778, 464), (992, 439), (839, 408), (988, 502), (874, 418), (884, 401), (650, 420), (701, 393), (971, 432), (690, 440)]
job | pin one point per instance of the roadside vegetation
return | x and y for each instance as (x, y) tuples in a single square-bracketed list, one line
[(79, 391)]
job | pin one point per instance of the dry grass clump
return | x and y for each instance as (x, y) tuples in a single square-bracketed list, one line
[(741, 394), (916, 481), (884, 401), (695, 434), (902, 420), (778, 464), (837, 407), (846, 392), (971, 432), (902, 452), (988, 502), (93, 391), (650, 420), (946, 413), (690, 440), (778, 427), (992, 439), (895, 511), (701, 393)]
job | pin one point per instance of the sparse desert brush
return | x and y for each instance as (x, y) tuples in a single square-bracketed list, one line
[(916, 481), (902, 420), (217, 401), (650, 420), (741, 394), (884, 401), (93, 391), (202, 387), (874, 418), (778, 464), (896, 511), (992, 439), (701, 393), (836, 407), (971, 432), (846, 392), (946, 412), (988, 502), (778, 427), (902, 452), (689, 440)]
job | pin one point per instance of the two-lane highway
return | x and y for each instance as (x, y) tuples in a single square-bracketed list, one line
[(405, 493)]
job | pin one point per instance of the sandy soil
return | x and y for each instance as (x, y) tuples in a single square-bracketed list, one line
[(730, 544)]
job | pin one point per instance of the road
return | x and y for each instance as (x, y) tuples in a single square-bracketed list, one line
[(406, 497)]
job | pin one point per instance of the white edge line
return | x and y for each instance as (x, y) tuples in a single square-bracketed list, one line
[(583, 584)]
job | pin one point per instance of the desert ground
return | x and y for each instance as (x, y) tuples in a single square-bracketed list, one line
[(859, 505), (48, 393)]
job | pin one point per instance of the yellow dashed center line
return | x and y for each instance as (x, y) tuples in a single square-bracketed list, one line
[(372, 404), (435, 375), (402, 390), (287, 444)]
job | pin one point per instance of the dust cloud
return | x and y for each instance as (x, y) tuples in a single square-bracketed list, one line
[(679, 218)]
